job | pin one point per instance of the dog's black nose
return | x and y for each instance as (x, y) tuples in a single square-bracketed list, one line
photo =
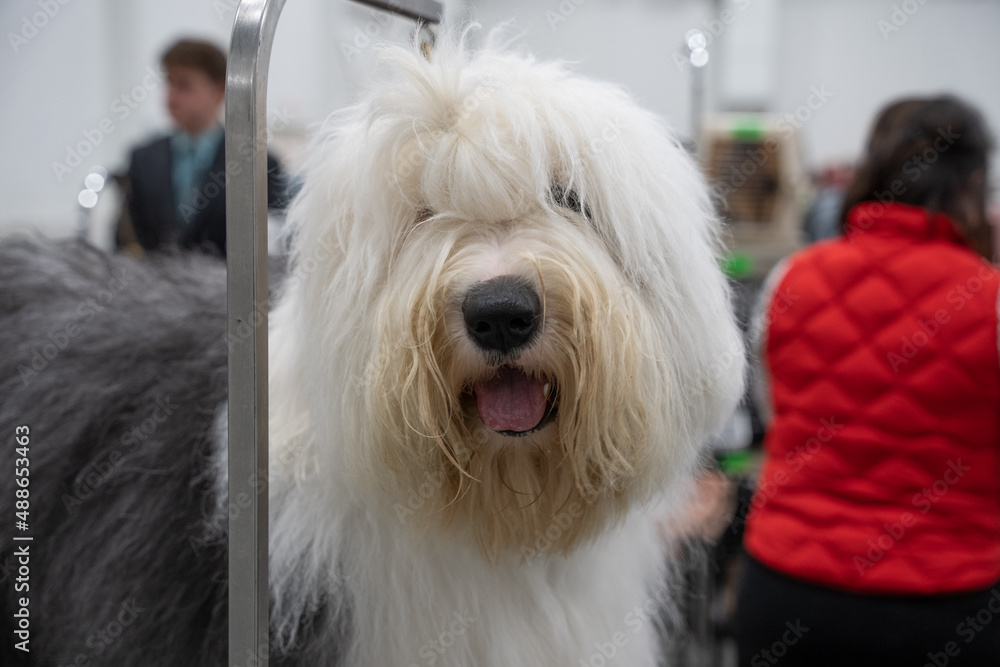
[(502, 313)]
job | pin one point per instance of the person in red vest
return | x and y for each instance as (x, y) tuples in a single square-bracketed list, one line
[(873, 537)]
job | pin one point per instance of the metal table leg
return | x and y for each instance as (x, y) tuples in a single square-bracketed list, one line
[(246, 241)]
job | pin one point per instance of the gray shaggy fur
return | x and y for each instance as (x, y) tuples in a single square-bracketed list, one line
[(128, 562)]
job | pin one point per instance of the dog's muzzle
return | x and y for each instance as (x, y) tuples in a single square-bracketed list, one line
[(503, 316)]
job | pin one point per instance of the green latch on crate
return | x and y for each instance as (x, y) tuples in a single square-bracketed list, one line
[(737, 265)]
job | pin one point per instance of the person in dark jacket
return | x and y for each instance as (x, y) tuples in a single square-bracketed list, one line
[(177, 183), (873, 538)]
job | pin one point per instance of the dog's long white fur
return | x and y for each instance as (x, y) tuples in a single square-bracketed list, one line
[(391, 502)]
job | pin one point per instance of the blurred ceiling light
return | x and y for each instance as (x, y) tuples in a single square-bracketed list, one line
[(87, 198), (697, 44), (696, 40), (94, 182)]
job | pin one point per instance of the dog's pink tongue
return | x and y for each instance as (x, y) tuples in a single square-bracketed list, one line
[(511, 401)]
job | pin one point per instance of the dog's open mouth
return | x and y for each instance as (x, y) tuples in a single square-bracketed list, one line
[(514, 403)]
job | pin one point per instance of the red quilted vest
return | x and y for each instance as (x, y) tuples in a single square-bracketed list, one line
[(880, 350)]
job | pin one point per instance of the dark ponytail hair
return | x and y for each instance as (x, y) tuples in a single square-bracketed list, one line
[(932, 153)]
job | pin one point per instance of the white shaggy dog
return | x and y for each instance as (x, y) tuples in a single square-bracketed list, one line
[(503, 337), (493, 464)]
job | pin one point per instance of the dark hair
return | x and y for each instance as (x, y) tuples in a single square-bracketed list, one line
[(197, 54), (924, 152)]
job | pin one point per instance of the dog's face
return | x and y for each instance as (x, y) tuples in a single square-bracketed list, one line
[(517, 364), (525, 271)]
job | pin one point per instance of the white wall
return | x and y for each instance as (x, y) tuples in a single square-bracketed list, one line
[(54, 86), (943, 46), (946, 46), (630, 42), (71, 75)]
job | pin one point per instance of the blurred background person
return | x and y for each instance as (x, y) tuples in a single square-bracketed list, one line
[(875, 538), (176, 185), (823, 217)]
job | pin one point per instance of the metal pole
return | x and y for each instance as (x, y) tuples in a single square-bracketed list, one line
[(246, 241), (246, 244), (697, 106), (428, 11)]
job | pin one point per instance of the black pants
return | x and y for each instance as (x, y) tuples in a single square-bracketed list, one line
[(788, 622)]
